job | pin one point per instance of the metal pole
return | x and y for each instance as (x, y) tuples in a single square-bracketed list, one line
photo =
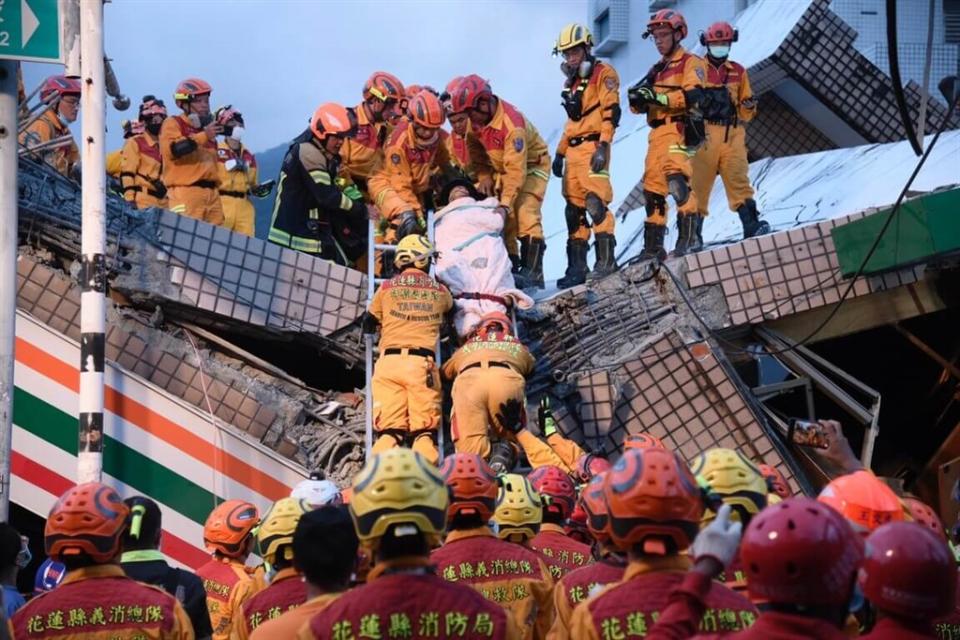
[(8, 269), (93, 242), (368, 345)]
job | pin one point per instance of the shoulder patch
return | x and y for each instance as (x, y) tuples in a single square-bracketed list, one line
[(395, 158), (610, 84), (518, 144), (699, 72)]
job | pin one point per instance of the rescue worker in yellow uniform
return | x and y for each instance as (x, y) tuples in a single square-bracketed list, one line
[(96, 600), (401, 187), (591, 98), (728, 104), (399, 508), (141, 167), (521, 164), (409, 309), (62, 95), (188, 146), (382, 96), (471, 161), (238, 174), (669, 94), (115, 157), (561, 553), (508, 574), (519, 510), (228, 535)]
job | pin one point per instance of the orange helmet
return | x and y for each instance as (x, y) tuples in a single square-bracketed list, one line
[(491, 320), (667, 18), (652, 498), (719, 32), (55, 87), (383, 86), (330, 119), (191, 88), (468, 91), (595, 507), (229, 526), (642, 441), (590, 465), (925, 516), (425, 110), (775, 481), (551, 481), (88, 519), (473, 486), (863, 499)]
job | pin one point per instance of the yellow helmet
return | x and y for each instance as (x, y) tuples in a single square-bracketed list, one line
[(277, 527), (519, 507), (736, 480), (398, 487), (572, 35), (414, 250)]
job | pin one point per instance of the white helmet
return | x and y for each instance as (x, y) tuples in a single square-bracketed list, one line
[(317, 492)]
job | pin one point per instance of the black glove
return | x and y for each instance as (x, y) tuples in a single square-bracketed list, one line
[(407, 224), (159, 188), (511, 415), (558, 165), (369, 323), (598, 161), (263, 189), (548, 426)]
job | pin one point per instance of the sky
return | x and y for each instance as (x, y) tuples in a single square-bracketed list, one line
[(277, 60)]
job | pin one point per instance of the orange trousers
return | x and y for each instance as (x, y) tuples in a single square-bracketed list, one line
[(526, 214), (579, 179), (724, 154), (196, 202), (238, 214), (405, 406), (667, 156)]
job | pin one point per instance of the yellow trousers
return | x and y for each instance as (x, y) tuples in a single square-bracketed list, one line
[(579, 180), (724, 154), (526, 215), (405, 405), (196, 202), (238, 214), (667, 156)]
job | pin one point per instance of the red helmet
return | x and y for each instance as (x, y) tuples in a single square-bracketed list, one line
[(800, 551), (719, 32), (191, 88), (425, 110), (88, 519), (590, 465), (330, 119), (550, 480), (667, 18), (775, 481), (473, 486), (652, 498), (595, 508), (495, 320), (229, 525), (642, 441), (924, 515), (576, 526), (445, 97), (468, 91), (55, 87), (383, 86), (863, 499), (908, 571)]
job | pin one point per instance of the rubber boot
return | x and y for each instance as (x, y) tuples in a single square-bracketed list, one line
[(606, 260), (750, 219), (653, 241), (516, 269), (503, 457), (531, 257), (699, 233), (576, 264), (687, 234)]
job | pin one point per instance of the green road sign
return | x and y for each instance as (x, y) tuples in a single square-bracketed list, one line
[(30, 30)]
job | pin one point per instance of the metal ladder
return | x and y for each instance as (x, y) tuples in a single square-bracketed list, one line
[(372, 283)]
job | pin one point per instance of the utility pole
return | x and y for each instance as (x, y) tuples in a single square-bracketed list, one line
[(93, 278), (9, 159)]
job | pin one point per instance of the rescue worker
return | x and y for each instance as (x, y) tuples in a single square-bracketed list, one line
[(668, 94), (311, 212), (143, 561), (409, 310), (228, 535), (383, 94), (572, 458), (472, 160), (401, 187), (654, 508), (591, 98), (115, 157), (188, 147), (507, 574), (287, 589), (488, 374), (580, 584), (62, 96), (399, 509), (519, 511), (562, 554), (141, 165), (237, 172), (521, 164), (324, 551), (909, 577), (95, 599), (776, 483), (728, 104), (864, 500)]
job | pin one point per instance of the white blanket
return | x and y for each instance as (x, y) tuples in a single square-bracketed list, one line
[(473, 259)]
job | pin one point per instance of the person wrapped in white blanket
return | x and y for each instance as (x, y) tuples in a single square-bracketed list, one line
[(473, 261)]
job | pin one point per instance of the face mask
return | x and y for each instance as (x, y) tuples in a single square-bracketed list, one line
[(719, 51), (154, 127), (236, 133)]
